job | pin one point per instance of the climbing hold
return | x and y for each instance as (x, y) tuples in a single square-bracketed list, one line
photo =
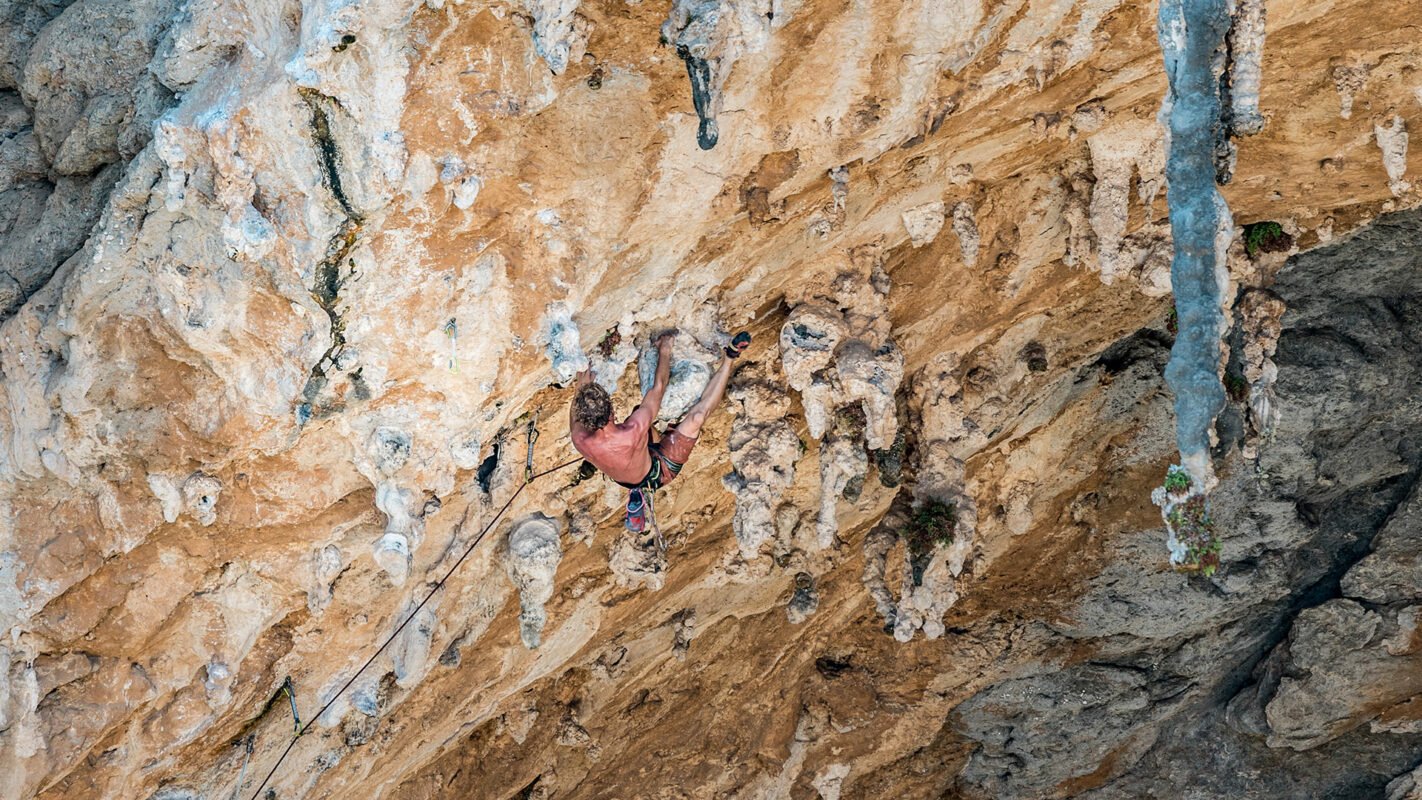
[(687, 379)]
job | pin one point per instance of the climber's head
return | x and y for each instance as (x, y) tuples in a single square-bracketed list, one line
[(592, 408)]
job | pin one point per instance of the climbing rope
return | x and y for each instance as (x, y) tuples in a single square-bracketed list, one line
[(529, 477)]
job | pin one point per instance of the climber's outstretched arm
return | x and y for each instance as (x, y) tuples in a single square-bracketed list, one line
[(652, 400)]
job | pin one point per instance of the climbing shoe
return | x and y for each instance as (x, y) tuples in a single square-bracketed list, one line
[(738, 344), (636, 511)]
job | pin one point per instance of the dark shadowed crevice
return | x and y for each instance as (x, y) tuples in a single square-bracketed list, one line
[(326, 287)]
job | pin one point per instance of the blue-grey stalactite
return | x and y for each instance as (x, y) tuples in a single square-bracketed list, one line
[(699, 70), (693, 28), (1192, 37)]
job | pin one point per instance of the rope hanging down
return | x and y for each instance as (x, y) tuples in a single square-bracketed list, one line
[(529, 477)]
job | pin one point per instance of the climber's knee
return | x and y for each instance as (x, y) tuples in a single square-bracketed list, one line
[(690, 425)]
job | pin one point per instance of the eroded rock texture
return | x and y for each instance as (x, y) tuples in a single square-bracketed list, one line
[(292, 293)]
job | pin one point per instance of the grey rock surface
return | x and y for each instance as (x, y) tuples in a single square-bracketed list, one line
[(77, 101), (1308, 634)]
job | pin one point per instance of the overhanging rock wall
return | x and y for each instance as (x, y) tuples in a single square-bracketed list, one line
[(283, 285)]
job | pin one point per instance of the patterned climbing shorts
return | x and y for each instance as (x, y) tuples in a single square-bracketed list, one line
[(668, 457)]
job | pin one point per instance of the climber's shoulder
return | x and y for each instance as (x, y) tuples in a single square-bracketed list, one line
[(638, 422)]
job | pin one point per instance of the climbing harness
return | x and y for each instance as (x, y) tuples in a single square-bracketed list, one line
[(301, 729), (528, 461), (289, 690)]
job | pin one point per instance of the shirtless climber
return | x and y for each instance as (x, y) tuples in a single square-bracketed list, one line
[(630, 452)]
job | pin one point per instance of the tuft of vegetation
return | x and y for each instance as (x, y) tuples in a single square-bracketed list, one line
[(609, 342), (1195, 529), (931, 526), (1172, 322), (1177, 479), (1236, 386), (1266, 237)]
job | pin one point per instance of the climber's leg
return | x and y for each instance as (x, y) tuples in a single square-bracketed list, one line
[(690, 425)]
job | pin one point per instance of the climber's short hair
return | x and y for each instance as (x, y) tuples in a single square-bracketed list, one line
[(592, 407)]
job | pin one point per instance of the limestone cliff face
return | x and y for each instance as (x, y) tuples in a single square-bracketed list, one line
[(289, 289)]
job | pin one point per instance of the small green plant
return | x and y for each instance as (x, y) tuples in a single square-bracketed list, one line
[(1172, 322), (1236, 386), (1177, 480), (1194, 528), (1266, 237), (932, 525)]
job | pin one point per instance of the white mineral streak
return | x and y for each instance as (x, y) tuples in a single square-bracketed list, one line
[(966, 228), (1261, 318), (1117, 156), (1246, 74), (1392, 141), (867, 365), (922, 223), (533, 555), (830, 781), (560, 33), (565, 349), (1349, 79), (763, 450), (842, 460)]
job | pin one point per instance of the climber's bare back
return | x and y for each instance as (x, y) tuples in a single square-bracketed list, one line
[(618, 450)]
